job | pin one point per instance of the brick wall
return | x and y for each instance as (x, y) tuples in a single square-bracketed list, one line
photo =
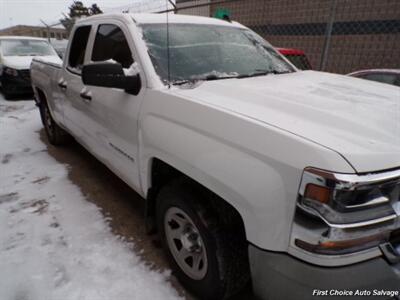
[(197, 11), (366, 33)]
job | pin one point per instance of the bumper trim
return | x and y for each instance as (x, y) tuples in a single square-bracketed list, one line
[(16, 84)]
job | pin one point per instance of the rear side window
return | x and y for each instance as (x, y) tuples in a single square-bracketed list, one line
[(110, 43), (78, 47)]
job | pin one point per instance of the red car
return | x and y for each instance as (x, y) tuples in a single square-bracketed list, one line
[(296, 57)]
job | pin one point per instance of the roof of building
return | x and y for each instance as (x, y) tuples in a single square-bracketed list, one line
[(17, 37), (36, 27)]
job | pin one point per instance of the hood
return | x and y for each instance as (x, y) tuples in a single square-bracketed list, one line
[(357, 118), (24, 62)]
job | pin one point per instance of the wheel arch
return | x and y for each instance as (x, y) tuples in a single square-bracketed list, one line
[(40, 95), (162, 173)]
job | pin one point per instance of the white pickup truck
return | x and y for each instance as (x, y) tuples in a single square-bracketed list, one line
[(252, 171)]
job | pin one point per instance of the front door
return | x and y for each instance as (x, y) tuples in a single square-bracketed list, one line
[(113, 113)]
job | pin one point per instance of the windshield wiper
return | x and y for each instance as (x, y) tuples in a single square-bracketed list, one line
[(256, 73), (210, 77), (282, 72), (183, 81), (262, 73)]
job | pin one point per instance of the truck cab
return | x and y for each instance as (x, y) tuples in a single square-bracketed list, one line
[(250, 169)]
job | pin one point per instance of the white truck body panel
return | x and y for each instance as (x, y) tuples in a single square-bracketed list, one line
[(331, 110), (247, 140)]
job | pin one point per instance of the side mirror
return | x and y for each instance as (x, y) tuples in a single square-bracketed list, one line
[(110, 75)]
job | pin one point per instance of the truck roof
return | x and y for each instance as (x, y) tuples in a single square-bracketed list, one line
[(17, 37), (155, 18)]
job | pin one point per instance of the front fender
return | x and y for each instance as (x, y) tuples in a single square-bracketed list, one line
[(254, 168)]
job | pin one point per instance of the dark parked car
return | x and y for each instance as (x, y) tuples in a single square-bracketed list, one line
[(16, 54), (389, 76)]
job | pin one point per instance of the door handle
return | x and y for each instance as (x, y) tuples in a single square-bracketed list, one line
[(86, 96), (62, 84)]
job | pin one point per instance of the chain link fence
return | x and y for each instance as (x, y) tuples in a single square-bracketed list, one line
[(337, 36), (141, 6)]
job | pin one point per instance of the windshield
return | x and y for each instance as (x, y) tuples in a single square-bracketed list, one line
[(26, 48), (208, 52)]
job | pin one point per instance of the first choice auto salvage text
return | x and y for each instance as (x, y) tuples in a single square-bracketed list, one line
[(349, 293)]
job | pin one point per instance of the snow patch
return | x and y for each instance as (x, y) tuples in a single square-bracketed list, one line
[(54, 244), (134, 69)]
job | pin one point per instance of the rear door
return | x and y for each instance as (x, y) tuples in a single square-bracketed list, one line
[(112, 114)]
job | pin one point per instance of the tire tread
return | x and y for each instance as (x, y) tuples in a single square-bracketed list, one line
[(230, 242)]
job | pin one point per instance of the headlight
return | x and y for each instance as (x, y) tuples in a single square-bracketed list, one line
[(345, 213), (346, 201), (10, 71)]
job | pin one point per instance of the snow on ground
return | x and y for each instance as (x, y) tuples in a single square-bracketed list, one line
[(54, 244)]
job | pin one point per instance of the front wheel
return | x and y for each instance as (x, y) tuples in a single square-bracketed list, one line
[(6, 91), (208, 257)]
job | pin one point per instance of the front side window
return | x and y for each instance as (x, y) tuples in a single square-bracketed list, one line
[(15, 47), (78, 47), (111, 44), (205, 52)]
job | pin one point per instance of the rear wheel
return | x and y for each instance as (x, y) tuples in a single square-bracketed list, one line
[(209, 257), (55, 134)]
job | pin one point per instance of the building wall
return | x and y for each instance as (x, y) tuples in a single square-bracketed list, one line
[(366, 33), (35, 31), (197, 11)]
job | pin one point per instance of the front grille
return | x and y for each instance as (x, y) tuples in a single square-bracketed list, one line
[(25, 74)]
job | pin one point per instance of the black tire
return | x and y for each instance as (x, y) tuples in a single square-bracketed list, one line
[(7, 94), (55, 134), (225, 244)]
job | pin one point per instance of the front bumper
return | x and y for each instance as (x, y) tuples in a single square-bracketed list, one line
[(281, 276), (17, 84)]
